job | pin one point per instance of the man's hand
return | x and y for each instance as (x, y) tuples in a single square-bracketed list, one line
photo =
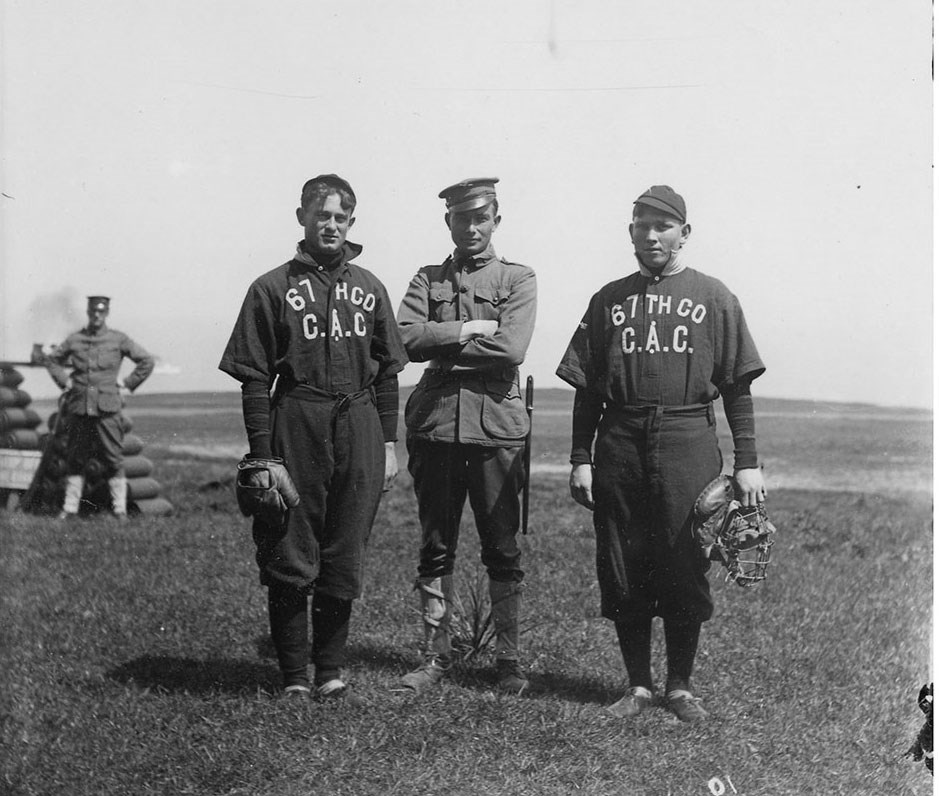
[(581, 484), (391, 465), (473, 329), (750, 486)]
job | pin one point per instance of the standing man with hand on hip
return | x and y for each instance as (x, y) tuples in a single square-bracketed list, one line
[(652, 353), (93, 402), (317, 351), (471, 319)]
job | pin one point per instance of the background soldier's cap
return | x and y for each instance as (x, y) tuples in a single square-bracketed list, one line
[(663, 198), (331, 179), (469, 194), (98, 302)]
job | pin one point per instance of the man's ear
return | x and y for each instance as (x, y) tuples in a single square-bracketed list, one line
[(351, 222), (685, 233), (300, 213), (495, 223), (446, 219)]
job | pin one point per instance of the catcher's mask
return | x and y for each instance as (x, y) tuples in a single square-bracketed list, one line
[(735, 535)]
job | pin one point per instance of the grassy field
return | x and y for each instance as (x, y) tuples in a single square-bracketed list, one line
[(135, 658)]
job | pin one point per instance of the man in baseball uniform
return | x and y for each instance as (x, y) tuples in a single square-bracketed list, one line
[(471, 319), (652, 353), (317, 351), (93, 401)]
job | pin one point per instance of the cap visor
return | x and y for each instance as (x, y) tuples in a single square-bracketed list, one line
[(471, 204), (649, 201)]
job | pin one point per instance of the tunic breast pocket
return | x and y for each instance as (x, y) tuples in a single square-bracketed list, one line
[(108, 357), (442, 303), (489, 301)]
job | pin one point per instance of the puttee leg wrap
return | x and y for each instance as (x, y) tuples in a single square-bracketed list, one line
[(506, 601)]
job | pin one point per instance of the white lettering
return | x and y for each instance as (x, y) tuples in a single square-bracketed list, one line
[(716, 787), (359, 324), (699, 312), (369, 304), (310, 331), (665, 305), (617, 315), (629, 340), (632, 300), (342, 290), (309, 289), (652, 342), (336, 327), (295, 300), (680, 339), (356, 295), (684, 307)]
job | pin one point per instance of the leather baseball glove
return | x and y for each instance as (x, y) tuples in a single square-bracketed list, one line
[(264, 490)]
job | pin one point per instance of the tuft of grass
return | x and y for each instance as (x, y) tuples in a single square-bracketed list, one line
[(472, 629)]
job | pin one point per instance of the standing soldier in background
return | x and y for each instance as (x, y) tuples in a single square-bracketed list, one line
[(652, 353), (471, 319), (93, 402), (320, 331)]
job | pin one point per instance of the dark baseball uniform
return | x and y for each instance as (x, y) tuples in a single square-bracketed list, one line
[(93, 403), (654, 351), (326, 340), (466, 419)]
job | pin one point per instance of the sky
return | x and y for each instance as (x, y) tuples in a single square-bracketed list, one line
[(155, 153)]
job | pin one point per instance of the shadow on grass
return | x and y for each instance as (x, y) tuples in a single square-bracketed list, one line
[(479, 674), (169, 674), (585, 691)]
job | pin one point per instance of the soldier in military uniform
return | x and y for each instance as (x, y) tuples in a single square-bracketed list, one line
[(93, 402), (471, 319)]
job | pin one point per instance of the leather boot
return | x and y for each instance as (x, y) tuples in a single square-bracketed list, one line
[(436, 610), (506, 601)]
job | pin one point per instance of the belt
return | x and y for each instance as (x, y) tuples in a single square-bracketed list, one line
[(651, 410), (340, 400), (446, 373)]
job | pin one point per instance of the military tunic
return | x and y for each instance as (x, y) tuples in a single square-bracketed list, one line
[(466, 419), (93, 402)]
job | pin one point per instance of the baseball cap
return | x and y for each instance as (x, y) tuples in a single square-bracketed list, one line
[(664, 198), (99, 302)]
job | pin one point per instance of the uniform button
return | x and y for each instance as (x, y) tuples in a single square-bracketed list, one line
[(463, 288), (320, 268), (657, 278)]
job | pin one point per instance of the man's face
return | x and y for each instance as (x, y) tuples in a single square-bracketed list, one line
[(471, 230), (325, 224), (656, 236), (96, 318)]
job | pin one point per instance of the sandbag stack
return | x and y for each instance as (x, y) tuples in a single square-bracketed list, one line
[(20, 440), (18, 421)]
